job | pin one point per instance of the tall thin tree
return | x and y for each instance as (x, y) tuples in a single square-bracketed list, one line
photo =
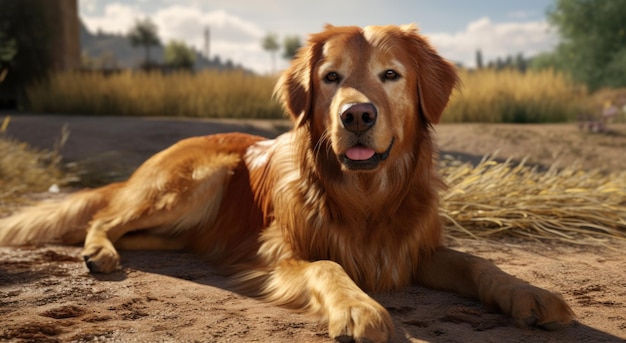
[(291, 45), (144, 33), (479, 59), (270, 43)]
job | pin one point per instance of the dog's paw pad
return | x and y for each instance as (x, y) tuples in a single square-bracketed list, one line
[(100, 260)]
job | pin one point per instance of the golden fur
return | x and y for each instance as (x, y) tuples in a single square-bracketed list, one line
[(344, 203)]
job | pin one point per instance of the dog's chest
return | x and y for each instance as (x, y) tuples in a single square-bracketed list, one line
[(376, 258)]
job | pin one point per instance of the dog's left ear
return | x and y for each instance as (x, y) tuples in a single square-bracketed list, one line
[(436, 77), (294, 87)]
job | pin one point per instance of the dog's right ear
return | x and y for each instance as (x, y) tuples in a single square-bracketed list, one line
[(294, 88)]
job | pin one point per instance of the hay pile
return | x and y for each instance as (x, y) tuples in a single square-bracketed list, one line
[(25, 170), (494, 199)]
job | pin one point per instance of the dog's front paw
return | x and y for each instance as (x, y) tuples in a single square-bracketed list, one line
[(360, 321), (530, 305), (101, 258)]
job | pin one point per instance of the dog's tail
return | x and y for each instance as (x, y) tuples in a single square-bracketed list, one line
[(63, 222)]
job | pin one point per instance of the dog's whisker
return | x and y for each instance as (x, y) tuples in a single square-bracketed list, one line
[(324, 141)]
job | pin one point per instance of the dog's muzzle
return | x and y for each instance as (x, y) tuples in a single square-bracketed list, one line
[(363, 158)]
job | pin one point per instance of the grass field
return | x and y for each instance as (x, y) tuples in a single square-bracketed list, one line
[(506, 96), (214, 94), (510, 96)]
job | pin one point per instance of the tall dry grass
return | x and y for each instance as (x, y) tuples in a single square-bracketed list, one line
[(228, 94), (510, 96), (485, 96), (24, 169)]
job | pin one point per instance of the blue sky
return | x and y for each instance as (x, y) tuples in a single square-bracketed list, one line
[(457, 28)]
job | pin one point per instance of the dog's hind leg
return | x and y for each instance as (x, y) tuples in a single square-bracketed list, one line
[(165, 199)]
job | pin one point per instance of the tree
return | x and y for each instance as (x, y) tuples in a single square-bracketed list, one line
[(25, 47), (270, 43), (144, 33), (520, 63), (291, 45), (547, 60), (593, 47), (479, 59), (8, 50), (179, 55)]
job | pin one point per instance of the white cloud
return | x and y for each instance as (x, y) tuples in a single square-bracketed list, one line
[(522, 14), (232, 38), (494, 40), (117, 18), (238, 39), (188, 23), (89, 5)]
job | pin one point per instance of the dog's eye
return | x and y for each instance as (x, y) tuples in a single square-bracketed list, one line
[(390, 75), (331, 77)]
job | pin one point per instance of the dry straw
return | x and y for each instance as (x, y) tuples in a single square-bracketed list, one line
[(214, 94), (25, 170), (494, 199), (485, 95), (512, 96)]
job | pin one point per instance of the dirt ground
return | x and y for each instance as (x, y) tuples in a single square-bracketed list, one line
[(47, 294)]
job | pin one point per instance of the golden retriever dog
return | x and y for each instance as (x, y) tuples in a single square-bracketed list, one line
[(343, 204)]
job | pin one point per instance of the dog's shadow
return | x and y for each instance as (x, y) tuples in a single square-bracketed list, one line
[(418, 313)]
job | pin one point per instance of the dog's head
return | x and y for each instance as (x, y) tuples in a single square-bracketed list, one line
[(365, 93)]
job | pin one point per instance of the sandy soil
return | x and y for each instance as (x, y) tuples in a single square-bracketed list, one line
[(47, 294), (544, 144)]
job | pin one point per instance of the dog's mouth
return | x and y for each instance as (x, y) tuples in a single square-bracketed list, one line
[(360, 157)]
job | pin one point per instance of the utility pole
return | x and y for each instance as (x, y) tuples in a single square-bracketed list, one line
[(207, 43)]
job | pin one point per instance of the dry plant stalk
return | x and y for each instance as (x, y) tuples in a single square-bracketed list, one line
[(209, 93), (484, 96), (494, 199), (25, 170), (512, 96)]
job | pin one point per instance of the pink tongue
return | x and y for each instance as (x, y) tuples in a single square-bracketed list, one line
[(359, 153)]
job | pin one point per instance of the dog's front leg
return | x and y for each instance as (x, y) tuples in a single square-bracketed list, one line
[(476, 277), (99, 253), (323, 287)]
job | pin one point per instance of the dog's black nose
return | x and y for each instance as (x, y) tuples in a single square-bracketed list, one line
[(358, 117)]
